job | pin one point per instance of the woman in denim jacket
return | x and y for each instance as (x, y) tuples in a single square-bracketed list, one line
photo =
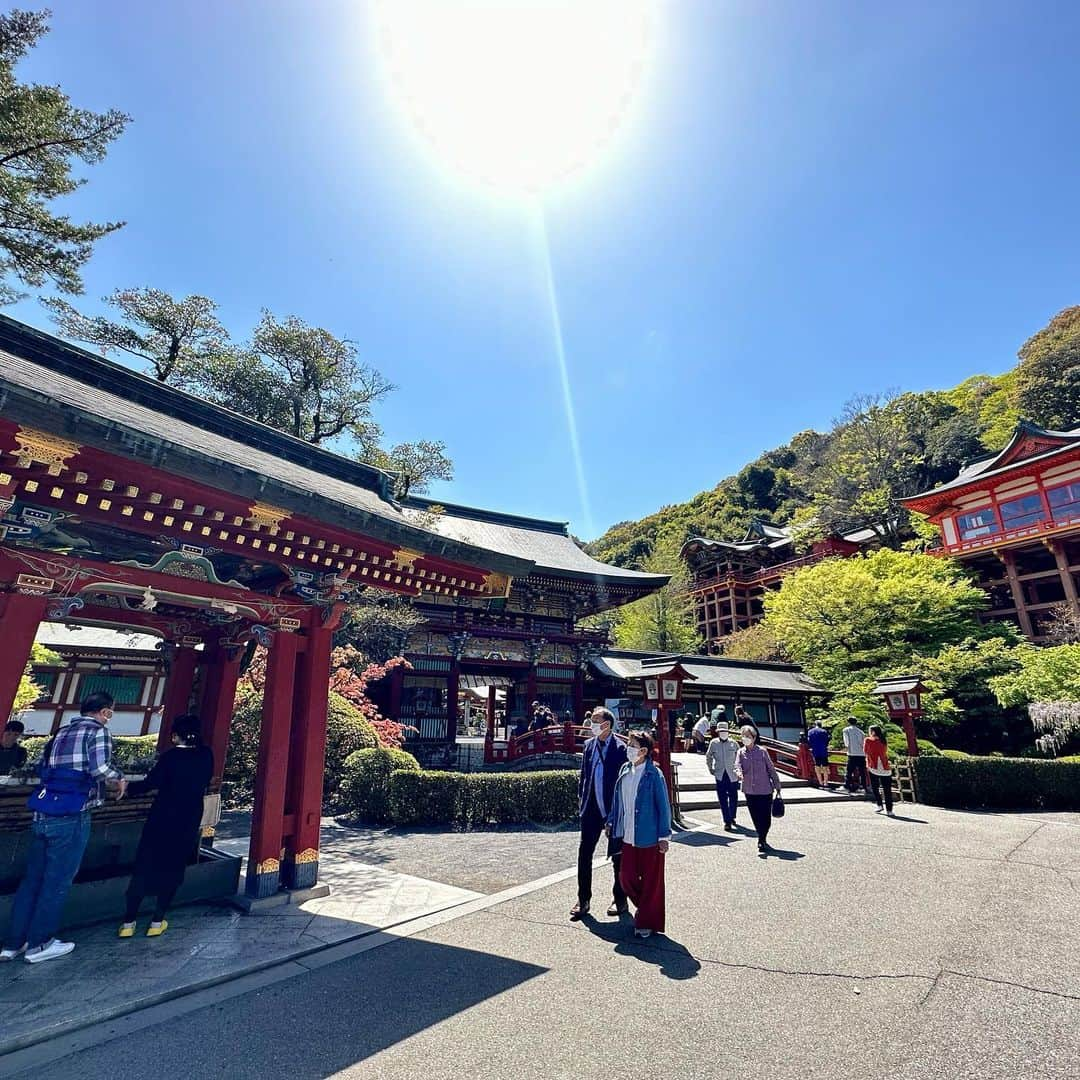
[(640, 817)]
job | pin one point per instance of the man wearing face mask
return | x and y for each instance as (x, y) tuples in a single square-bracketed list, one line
[(602, 757), (75, 764), (720, 758)]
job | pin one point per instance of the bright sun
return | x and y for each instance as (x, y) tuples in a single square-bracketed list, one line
[(516, 94)]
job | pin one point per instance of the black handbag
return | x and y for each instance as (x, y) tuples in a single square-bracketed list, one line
[(778, 807)]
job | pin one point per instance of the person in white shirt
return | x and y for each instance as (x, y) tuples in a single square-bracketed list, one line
[(701, 731), (854, 744), (640, 817)]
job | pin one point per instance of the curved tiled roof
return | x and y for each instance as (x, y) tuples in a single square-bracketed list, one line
[(546, 543)]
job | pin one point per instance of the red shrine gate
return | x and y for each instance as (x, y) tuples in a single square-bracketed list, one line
[(118, 514)]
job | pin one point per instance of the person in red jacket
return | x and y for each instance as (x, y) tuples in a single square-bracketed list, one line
[(877, 764)]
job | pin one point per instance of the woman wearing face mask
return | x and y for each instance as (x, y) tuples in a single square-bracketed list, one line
[(759, 780), (641, 818)]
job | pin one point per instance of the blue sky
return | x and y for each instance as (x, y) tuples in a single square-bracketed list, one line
[(807, 201)]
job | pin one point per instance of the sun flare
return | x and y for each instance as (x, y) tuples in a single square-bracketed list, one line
[(515, 94)]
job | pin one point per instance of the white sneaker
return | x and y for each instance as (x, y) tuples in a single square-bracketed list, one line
[(880, 810), (889, 813), (10, 954), (51, 951)]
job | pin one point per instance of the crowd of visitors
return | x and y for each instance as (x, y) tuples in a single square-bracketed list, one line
[(77, 774)]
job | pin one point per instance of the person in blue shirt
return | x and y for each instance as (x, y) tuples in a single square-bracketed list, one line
[(818, 738)]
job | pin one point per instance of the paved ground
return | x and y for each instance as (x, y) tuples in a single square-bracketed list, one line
[(936, 945)]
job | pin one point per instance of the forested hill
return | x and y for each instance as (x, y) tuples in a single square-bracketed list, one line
[(879, 451)]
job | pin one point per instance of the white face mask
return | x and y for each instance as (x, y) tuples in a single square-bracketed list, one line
[(633, 755), (748, 740), (722, 733), (595, 729)]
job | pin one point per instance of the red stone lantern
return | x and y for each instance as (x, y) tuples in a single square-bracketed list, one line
[(662, 678), (904, 703)]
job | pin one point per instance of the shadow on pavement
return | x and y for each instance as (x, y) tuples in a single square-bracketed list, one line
[(916, 820), (703, 839), (782, 854), (673, 958)]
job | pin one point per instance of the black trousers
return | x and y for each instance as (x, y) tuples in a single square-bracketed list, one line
[(592, 828), (856, 772), (760, 807), (140, 887), (882, 785)]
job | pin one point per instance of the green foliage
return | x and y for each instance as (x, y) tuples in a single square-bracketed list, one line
[(756, 643), (365, 785), (1048, 376), (416, 465), (43, 139), (347, 731), (471, 800), (663, 621), (1050, 674), (839, 617), (132, 753), (28, 691), (998, 783), (177, 338)]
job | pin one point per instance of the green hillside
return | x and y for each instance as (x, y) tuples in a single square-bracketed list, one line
[(880, 450)]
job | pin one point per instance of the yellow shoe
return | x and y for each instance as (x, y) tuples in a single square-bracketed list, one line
[(156, 929), (126, 930)]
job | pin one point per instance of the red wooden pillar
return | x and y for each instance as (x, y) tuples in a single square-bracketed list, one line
[(218, 701), (264, 854), (177, 693), (307, 758), (21, 616), (491, 713)]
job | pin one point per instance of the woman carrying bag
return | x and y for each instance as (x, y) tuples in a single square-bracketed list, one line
[(759, 780), (877, 764), (640, 817)]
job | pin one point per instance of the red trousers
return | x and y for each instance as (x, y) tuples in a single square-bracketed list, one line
[(642, 878)]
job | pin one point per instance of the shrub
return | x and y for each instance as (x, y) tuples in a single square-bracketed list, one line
[(469, 800), (998, 783), (365, 786), (346, 732), (132, 753)]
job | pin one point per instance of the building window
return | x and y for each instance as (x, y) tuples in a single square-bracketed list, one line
[(1065, 501), (125, 689), (1019, 513), (977, 523)]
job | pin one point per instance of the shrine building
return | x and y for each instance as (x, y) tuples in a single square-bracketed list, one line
[(1013, 517), (729, 580), (129, 505)]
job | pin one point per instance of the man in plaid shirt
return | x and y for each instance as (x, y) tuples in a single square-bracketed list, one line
[(84, 749)]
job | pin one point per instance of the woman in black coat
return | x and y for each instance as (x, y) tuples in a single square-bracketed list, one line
[(171, 834)]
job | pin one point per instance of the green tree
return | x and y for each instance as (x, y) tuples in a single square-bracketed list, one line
[(178, 339), (662, 622), (325, 389), (851, 619), (1048, 376), (416, 464), (42, 137), (755, 643), (1049, 674), (29, 691)]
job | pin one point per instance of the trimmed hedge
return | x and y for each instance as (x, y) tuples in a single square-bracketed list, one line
[(365, 784), (130, 752), (469, 800), (998, 783)]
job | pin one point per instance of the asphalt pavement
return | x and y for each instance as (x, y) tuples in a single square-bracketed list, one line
[(935, 945)]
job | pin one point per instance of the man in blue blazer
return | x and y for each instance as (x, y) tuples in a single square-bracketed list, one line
[(602, 759)]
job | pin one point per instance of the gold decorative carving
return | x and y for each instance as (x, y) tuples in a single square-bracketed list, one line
[(306, 856), (268, 866), (497, 584), (45, 449), (262, 516), (406, 558), (208, 832)]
